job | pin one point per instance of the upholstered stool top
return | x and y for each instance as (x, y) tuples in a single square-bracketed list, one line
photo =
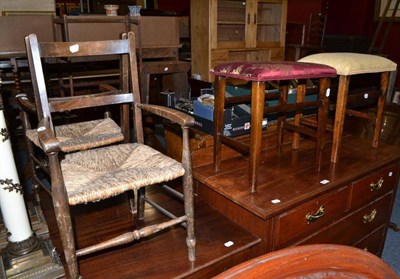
[(347, 63), (273, 70)]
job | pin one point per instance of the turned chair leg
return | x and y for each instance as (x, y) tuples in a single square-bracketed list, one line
[(188, 196), (63, 217), (140, 203)]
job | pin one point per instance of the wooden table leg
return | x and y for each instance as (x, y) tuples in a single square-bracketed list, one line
[(257, 115)]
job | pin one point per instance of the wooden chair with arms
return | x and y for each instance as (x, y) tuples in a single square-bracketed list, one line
[(90, 174)]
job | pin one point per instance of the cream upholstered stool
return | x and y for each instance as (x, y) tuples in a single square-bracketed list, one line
[(346, 65), (258, 73)]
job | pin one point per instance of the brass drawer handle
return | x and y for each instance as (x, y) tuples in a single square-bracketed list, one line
[(370, 217), (376, 185), (314, 217)]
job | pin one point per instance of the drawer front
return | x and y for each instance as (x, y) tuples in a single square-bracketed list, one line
[(354, 227), (373, 186), (311, 216), (373, 243)]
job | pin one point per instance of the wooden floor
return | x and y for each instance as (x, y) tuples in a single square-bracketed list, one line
[(165, 255)]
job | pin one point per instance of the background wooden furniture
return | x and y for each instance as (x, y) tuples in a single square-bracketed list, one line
[(314, 42), (160, 56), (225, 31)]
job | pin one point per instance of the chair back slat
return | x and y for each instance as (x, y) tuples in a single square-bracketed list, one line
[(87, 101), (78, 49), (129, 85)]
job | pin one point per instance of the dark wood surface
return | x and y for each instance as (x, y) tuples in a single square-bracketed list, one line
[(290, 175), (164, 254)]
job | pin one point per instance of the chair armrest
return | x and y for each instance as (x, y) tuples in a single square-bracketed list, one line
[(173, 115), (25, 104), (47, 139)]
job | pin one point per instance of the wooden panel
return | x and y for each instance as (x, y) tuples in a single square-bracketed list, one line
[(374, 186), (14, 29), (200, 40), (95, 31), (373, 242), (277, 54), (167, 31), (27, 6), (292, 224)]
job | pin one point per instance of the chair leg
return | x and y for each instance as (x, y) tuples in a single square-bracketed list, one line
[(188, 195), (140, 203), (132, 204), (63, 217)]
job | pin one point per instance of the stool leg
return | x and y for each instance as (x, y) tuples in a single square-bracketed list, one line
[(339, 116), (323, 111), (300, 96), (219, 104), (257, 114), (380, 108), (283, 96)]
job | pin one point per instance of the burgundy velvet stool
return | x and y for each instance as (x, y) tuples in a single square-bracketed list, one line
[(258, 73)]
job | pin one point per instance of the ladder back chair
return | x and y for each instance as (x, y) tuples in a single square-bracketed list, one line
[(81, 173)]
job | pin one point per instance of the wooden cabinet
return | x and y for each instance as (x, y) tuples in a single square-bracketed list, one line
[(348, 203), (231, 30)]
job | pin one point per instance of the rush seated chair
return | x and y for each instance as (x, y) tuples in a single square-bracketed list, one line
[(95, 174)]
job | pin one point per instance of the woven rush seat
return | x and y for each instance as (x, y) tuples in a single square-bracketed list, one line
[(83, 135), (258, 73), (105, 172), (349, 64)]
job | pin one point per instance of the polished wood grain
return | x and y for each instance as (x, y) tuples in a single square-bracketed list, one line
[(99, 221), (290, 187), (313, 261)]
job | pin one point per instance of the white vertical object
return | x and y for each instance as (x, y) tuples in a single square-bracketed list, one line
[(12, 202)]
